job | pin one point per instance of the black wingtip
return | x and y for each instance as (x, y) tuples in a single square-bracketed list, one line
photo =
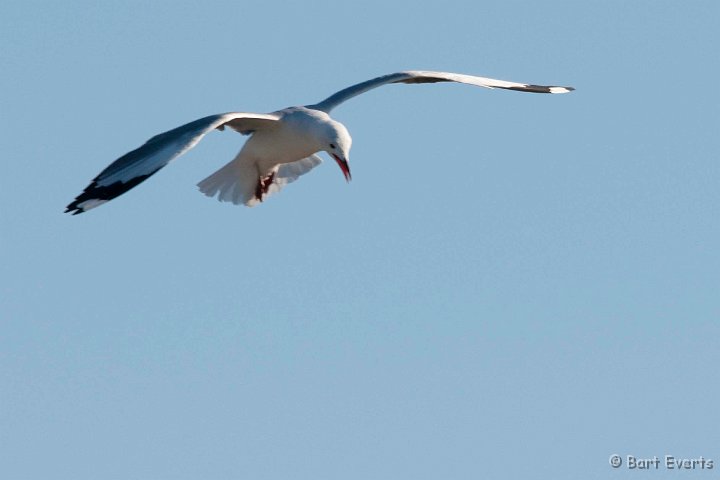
[(103, 193), (540, 89), (73, 208), (74, 211)]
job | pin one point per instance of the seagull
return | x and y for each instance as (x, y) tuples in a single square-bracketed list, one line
[(282, 145)]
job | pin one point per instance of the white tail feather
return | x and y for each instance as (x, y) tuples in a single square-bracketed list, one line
[(235, 182)]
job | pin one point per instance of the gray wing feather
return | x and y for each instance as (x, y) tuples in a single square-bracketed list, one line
[(419, 76)]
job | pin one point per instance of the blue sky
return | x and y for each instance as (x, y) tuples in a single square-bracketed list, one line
[(513, 286)]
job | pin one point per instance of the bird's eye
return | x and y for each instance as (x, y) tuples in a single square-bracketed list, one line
[(332, 145)]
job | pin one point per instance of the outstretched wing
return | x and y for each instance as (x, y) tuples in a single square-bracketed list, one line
[(134, 167), (417, 76)]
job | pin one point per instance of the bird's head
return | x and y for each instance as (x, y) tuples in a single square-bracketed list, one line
[(337, 145)]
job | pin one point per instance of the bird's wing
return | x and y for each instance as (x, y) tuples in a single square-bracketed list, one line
[(134, 167), (417, 76), (289, 172)]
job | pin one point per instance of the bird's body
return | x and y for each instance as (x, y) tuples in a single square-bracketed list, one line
[(256, 170), (282, 145), (297, 134)]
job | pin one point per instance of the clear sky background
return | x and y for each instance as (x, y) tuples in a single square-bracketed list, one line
[(513, 285)]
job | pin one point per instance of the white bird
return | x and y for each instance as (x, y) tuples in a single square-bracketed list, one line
[(283, 145)]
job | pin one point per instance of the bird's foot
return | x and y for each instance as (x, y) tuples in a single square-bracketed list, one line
[(263, 186)]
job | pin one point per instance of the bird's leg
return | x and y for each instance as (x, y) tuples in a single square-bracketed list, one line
[(263, 185)]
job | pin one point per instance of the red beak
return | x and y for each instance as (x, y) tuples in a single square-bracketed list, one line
[(343, 164)]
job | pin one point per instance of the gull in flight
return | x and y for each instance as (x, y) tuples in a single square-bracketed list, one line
[(282, 145)]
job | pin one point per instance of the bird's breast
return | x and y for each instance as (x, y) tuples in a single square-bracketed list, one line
[(267, 150)]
